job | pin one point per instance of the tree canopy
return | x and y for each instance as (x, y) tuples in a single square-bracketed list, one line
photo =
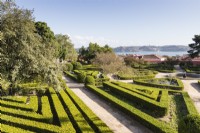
[(90, 52), (22, 49), (195, 47), (66, 49), (109, 62)]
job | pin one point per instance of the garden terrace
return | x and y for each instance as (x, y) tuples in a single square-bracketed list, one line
[(166, 83), (179, 105), (160, 103), (61, 112), (15, 114)]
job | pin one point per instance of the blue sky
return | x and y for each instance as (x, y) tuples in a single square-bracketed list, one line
[(120, 22)]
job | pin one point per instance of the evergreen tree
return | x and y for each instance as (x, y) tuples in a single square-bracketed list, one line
[(195, 47)]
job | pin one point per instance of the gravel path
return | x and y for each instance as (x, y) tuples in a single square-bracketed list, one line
[(115, 119)]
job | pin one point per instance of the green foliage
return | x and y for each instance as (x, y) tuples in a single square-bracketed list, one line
[(178, 85), (77, 65), (63, 117), (195, 47), (145, 119), (24, 56), (190, 68), (82, 124), (108, 62), (66, 49), (69, 67), (44, 31), (97, 124), (89, 53), (89, 80), (81, 77), (190, 124), (189, 104), (130, 73), (15, 114), (161, 106), (124, 77), (72, 76), (148, 92), (165, 67)]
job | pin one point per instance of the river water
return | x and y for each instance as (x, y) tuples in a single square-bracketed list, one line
[(180, 53)]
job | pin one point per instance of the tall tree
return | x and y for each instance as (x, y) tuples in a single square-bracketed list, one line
[(66, 49), (109, 62), (195, 47), (90, 52), (21, 49)]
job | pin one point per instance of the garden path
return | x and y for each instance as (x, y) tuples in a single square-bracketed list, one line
[(118, 121)]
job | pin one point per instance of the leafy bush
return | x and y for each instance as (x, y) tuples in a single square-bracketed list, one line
[(89, 80), (81, 77), (77, 65), (69, 67), (189, 124), (72, 76)]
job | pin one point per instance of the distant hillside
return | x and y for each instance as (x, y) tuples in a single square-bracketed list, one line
[(167, 48)]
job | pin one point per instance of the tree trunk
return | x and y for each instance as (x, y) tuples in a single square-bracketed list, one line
[(39, 110)]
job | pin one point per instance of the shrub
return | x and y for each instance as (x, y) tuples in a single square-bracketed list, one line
[(189, 124), (81, 77), (72, 76), (89, 80), (69, 67), (161, 107), (143, 118), (189, 104), (77, 65), (143, 82)]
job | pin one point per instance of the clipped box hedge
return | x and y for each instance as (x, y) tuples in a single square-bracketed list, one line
[(97, 124), (137, 89), (79, 121), (64, 120), (161, 107), (135, 77), (150, 122), (143, 82), (21, 115), (72, 76), (189, 104)]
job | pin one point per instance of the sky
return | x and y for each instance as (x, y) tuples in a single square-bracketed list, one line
[(120, 22)]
